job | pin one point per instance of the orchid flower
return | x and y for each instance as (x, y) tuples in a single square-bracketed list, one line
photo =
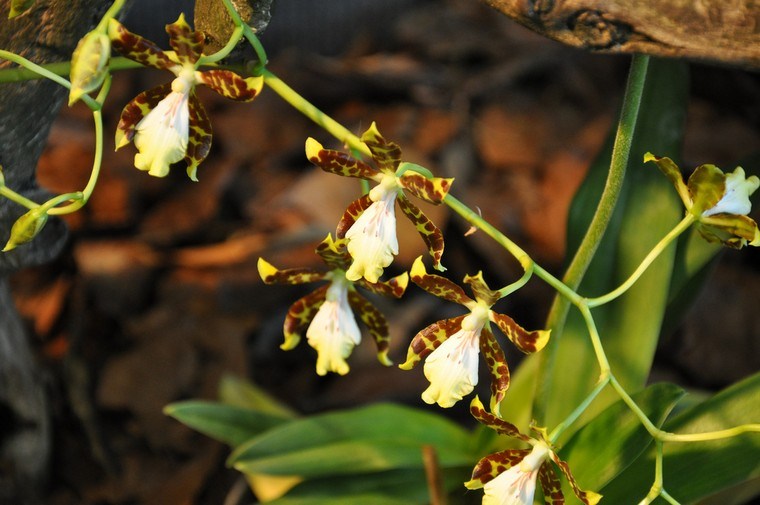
[(719, 202), (327, 313), (450, 347), (369, 223), (509, 477), (168, 123)]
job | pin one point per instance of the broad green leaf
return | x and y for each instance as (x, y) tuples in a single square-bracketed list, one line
[(647, 210), (229, 424), (242, 393), (339, 437), (395, 486), (611, 441), (700, 469)]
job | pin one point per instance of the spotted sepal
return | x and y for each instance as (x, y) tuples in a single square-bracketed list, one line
[(527, 341), (587, 497), (497, 367), (431, 190), (137, 48), (706, 184), (427, 340), (300, 315), (394, 287), (550, 485), (336, 162), (386, 154), (731, 230), (431, 235), (272, 275), (187, 43), (334, 253), (493, 465), (137, 109), (351, 214), (199, 138), (497, 424), (673, 173), (437, 285), (481, 290), (375, 321), (232, 86)]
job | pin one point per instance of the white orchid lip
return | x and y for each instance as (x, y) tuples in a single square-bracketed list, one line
[(452, 368), (517, 486), (161, 137), (372, 241), (735, 199), (333, 332)]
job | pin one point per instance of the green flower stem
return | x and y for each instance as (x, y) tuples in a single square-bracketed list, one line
[(656, 488), (709, 435), (11, 195), (522, 281), (653, 254), (60, 69), (248, 33), (580, 262), (110, 13), (664, 494), (43, 72), (580, 409), (306, 108), (237, 34)]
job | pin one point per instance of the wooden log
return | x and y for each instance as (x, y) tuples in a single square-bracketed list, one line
[(721, 31)]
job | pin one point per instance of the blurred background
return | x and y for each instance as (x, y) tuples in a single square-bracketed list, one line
[(157, 296)]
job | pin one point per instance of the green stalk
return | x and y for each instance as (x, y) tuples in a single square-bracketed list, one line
[(579, 264)]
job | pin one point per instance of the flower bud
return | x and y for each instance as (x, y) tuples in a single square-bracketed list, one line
[(26, 228), (89, 64)]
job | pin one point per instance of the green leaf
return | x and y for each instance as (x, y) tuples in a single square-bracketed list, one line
[(647, 210), (611, 441), (229, 424), (378, 437), (696, 470), (18, 7), (242, 393), (395, 486)]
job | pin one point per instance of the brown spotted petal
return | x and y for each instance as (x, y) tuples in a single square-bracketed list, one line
[(431, 190), (437, 285), (481, 290), (351, 214), (386, 154), (199, 138), (497, 424), (375, 321), (272, 275), (493, 465), (300, 315), (497, 367), (394, 287), (232, 86), (527, 341), (587, 497), (137, 48), (550, 485), (334, 253), (187, 43), (336, 162), (427, 340), (136, 110), (431, 235)]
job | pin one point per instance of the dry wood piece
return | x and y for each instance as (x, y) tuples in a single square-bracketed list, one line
[(725, 31)]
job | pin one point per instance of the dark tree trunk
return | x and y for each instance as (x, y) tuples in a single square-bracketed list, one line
[(725, 31), (47, 33)]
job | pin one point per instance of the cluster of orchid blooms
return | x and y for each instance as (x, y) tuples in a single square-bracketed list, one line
[(168, 124)]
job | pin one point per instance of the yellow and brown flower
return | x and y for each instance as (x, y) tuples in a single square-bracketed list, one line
[(450, 347), (168, 123), (369, 223), (327, 314)]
